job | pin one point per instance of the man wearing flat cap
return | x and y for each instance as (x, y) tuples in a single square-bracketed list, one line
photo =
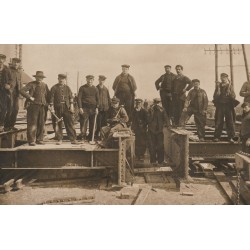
[(196, 104), (117, 118), (16, 85), (139, 125), (181, 84), (104, 104), (5, 94), (245, 128), (165, 84), (124, 88), (88, 102), (225, 102), (62, 105), (245, 91), (37, 100), (156, 121)]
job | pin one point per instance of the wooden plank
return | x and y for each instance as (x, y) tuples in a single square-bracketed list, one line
[(153, 170), (143, 193), (224, 184)]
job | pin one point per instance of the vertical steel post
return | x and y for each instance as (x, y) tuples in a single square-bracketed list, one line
[(77, 88), (245, 60), (231, 64)]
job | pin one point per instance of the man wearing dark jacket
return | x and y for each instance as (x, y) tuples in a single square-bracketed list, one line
[(245, 91), (104, 104), (139, 124), (117, 118), (245, 128), (16, 85), (224, 101), (88, 102), (62, 105), (156, 122), (37, 94), (181, 84), (5, 94), (196, 104), (165, 85), (124, 88)]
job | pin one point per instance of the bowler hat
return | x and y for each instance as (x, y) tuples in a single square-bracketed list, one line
[(62, 76), (224, 75), (15, 59), (2, 56), (39, 74), (101, 77), (115, 100), (157, 100), (125, 66), (89, 77)]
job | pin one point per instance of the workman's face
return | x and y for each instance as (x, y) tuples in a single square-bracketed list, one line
[(2, 60), (178, 70), (196, 85), (125, 70), (167, 70), (16, 64), (246, 109), (115, 105), (39, 78), (101, 81), (138, 104), (224, 78), (90, 81), (62, 80)]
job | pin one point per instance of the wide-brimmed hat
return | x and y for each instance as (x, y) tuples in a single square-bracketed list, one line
[(39, 74)]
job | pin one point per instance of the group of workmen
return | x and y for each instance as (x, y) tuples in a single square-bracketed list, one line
[(101, 116)]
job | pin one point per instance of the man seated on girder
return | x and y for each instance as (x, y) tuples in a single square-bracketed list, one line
[(117, 118), (196, 104)]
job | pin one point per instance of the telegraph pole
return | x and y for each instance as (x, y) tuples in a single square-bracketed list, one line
[(231, 64), (245, 60)]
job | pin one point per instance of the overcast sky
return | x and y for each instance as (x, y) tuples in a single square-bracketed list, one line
[(146, 62)]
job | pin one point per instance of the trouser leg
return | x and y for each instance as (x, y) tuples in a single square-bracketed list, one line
[(69, 124), (200, 121), (219, 121), (40, 123), (140, 143), (84, 118), (32, 120), (160, 147), (3, 108), (229, 122), (152, 146), (91, 125), (13, 112), (185, 116)]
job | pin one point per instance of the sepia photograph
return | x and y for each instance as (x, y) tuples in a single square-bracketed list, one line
[(124, 124)]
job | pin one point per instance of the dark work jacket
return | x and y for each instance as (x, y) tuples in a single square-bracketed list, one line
[(245, 91), (6, 79), (122, 116), (30, 90), (61, 93), (104, 98), (179, 83), (166, 81), (139, 120), (131, 81), (197, 101), (245, 126), (16, 84), (154, 115), (88, 97)]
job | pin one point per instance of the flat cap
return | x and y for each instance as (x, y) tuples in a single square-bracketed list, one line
[(138, 100), (224, 75), (2, 56), (102, 77), (90, 77), (245, 104), (157, 100), (125, 66), (115, 100), (15, 59), (195, 80), (62, 76), (167, 66)]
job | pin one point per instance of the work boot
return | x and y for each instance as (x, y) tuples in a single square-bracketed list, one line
[(32, 144), (40, 142), (59, 142)]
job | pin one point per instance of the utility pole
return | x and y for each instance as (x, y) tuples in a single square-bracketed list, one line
[(231, 64), (245, 60), (77, 87)]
